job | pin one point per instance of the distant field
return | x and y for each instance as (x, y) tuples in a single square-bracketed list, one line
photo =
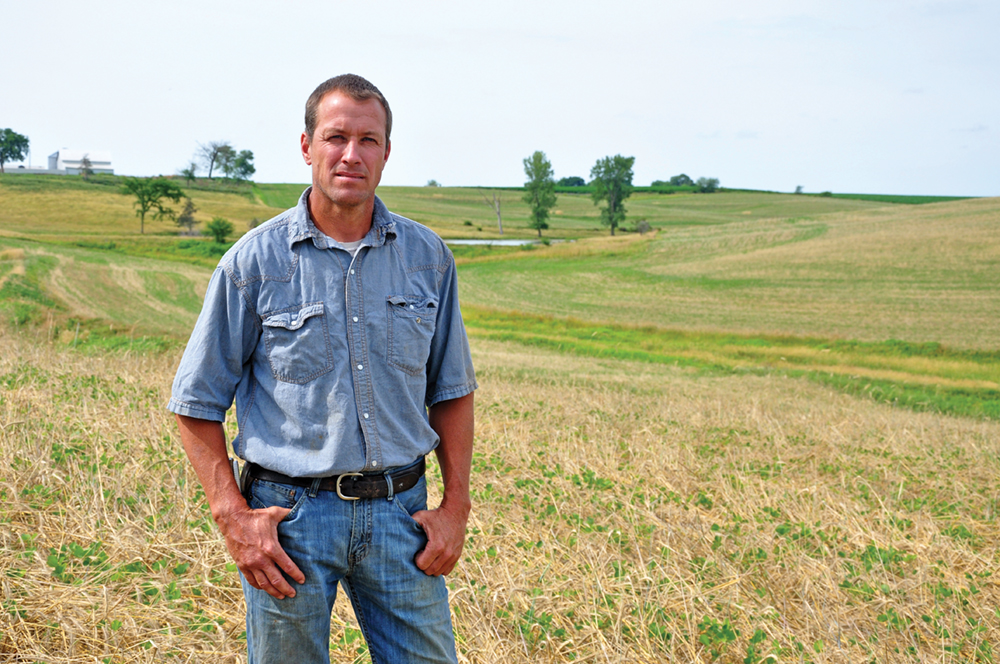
[(457, 212), (907, 200), (919, 273), (52, 207)]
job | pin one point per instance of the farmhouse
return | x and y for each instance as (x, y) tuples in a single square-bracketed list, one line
[(68, 161)]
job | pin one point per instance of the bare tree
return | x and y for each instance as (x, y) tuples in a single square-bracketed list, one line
[(494, 204), (213, 154)]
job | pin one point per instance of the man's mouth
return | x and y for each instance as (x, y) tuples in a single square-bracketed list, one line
[(350, 176)]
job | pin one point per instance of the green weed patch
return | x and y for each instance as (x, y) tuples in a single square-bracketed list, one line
[(925, 384)]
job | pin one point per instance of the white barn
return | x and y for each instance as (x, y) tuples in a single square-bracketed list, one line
[(69, 161)]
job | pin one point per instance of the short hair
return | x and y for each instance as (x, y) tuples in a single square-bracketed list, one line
[(352, 85)]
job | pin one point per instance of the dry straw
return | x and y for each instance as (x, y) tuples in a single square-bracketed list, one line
[(623, 513)]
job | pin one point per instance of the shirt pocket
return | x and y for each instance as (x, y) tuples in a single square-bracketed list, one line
[(298, 343), (411, 328)]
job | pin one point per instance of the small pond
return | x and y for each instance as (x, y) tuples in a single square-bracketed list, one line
[(498, 243)]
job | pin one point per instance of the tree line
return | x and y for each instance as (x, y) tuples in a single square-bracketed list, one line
[(610, 184)]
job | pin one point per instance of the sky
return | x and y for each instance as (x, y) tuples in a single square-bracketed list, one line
[(872, 96)]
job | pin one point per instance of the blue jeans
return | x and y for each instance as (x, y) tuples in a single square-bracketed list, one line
[(368, 546)]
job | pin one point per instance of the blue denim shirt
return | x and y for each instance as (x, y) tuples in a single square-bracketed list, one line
[(332, 361)]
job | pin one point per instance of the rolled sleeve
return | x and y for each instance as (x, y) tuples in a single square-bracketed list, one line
[(450, 374), (219, 348)]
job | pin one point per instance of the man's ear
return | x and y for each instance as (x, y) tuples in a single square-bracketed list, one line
[(306, 146), (388, 148)]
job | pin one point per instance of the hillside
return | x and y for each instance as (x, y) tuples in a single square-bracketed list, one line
[(894, 301)]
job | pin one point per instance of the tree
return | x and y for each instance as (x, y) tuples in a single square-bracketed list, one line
[(190, 173), (214, 154), (227, 160), (219, 228), (186, 218), (572, 181), (681, 180), (149, 194), (707, 185), (798, 189), (13, 146), (243, 166), (433, 183), (86, 168), (539, 190), (611, 178), (494, 204)]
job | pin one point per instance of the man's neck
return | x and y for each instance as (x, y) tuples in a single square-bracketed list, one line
[(342, 223)]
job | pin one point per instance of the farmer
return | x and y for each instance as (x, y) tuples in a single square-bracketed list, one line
[(336, 328)]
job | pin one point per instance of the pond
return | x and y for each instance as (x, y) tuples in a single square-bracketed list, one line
[(498, 243)]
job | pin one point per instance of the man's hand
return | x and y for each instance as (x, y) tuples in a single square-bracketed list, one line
[(252, 540), (251, 535), (445, 530)]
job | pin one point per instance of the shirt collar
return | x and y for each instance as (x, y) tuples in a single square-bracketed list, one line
[(302, 227)]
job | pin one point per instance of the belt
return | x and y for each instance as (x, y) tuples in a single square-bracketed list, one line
[(350, 486)]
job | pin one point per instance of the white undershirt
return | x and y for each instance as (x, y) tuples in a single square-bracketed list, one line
[(352, 247)]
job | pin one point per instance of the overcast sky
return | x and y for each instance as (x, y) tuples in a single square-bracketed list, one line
[(875, 96)]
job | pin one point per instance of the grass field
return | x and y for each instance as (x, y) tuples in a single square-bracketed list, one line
[(767, 432)]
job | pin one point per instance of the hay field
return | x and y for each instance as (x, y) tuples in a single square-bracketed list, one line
[(624, 512), (58, 208), (917, 273), (106, 290)]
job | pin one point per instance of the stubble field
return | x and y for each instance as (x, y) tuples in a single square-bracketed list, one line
[(623, 512)]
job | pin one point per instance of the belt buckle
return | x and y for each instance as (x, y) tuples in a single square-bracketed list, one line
[(341, 495)]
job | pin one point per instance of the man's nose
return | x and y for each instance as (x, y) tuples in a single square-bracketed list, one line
[(351, 152)]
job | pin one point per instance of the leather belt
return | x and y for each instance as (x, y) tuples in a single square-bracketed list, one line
[(350, 486)]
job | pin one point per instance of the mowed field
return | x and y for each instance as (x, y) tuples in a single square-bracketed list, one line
[(766, 432)]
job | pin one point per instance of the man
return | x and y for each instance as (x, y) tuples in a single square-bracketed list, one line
[(336, 328)]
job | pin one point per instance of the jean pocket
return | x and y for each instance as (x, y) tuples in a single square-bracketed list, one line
[(298, 343), (264, 494), (413, 500), (411, 322)]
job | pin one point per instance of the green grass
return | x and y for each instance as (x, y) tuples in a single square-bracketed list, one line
[(202, 251), (923, 376), (901, 199)]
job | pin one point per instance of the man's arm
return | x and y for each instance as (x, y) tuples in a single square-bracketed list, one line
[(453, 420), (251, 535)]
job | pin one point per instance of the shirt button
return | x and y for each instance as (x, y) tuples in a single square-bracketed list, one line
[(352, 271), (374, 463), (366, 416), (360, 367), (355, 319)]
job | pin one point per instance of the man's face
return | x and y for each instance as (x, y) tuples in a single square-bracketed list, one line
[(348, 150)]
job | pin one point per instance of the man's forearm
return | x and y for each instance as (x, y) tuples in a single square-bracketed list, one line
[(205, 444), (454, 422)]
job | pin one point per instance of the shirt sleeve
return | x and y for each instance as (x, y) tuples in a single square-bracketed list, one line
[(220, 346), (450, 374)]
